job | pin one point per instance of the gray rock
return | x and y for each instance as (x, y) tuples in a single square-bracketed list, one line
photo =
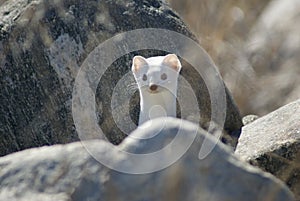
[(72, 171), (43, 44), (272, 143), (249, 119)]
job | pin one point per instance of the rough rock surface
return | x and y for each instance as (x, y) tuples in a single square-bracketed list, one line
[(42, 46), (70, 172), (272, 143)]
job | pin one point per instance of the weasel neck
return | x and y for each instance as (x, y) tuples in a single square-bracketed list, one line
[(156, 105)]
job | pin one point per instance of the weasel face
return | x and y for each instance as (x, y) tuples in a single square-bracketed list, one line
[(156, 74)]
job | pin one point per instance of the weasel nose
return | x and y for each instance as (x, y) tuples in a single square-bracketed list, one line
[(153, 87)]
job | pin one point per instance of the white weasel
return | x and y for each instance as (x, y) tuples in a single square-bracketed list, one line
[(157, 79)]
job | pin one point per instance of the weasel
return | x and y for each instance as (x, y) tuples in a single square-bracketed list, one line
[(157, 79)]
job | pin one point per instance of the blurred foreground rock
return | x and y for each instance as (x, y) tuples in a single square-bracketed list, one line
[(71, 173), (272, 143), (42, 47)]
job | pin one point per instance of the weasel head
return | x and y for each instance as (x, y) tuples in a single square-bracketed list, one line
[(156, 74)]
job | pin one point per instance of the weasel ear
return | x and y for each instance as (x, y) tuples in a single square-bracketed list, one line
[(137, 63), (172, 61)]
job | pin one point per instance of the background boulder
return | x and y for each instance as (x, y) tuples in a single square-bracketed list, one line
[(42, 46)]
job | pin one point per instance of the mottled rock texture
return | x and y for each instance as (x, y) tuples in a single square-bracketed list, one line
[(42, 46), (272, 143), (70, 172)]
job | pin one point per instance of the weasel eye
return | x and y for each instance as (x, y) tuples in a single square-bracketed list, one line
[(144, 77), (164, 76)]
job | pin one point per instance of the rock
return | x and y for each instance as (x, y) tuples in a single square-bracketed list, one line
[(43, 44), (74, 172), (272, 51), (249, 119), (272, 143)]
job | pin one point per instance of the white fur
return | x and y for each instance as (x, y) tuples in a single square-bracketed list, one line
[(162, 102)]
